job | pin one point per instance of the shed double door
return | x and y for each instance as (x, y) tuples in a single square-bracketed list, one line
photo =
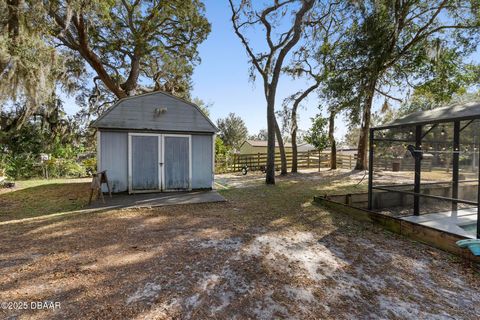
[(159, 162)]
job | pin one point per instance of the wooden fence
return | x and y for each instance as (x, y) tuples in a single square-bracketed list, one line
[(404, 164), (258, 161), (309, 159)]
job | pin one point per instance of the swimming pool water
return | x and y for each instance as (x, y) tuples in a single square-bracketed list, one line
[(472, 228)]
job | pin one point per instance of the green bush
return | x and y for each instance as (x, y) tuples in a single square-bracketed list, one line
[(21, 166), (90, 165), (221, 156), (26, 166), (65, 168)]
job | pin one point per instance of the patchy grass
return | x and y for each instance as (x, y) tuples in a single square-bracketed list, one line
[(266, 253), (32, 198)]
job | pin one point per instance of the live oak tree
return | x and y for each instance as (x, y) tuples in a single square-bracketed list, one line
[(381, 117), (331, 139), (297, 99), (232, 131), (130, 41), (32, 74), (48, 47), (268, 63), (285, 117), (388, 43), (31, 68), (45, 45), (446, 80), (314, 60)]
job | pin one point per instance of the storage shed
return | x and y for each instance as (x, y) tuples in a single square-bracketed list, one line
[(156, 142)]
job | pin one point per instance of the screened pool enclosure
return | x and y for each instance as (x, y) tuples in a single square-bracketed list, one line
[(424, 168)]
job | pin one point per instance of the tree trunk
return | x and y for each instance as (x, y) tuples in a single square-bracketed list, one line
[(294, 142), (131, 83), (333, 144), (13, 19), (270, 170), (91, 57), (294, 124), (96, 65), (270, 88), (281, 147), (365, 127)]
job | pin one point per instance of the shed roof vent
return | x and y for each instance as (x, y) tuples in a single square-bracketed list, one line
[(160, 111)]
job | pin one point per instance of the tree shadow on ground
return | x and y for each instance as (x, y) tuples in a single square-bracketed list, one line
[(243, 258)]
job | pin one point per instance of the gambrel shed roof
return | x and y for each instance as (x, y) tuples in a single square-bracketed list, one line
[(157, 111)]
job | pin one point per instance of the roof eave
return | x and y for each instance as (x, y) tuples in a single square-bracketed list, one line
[(396, 124), (422, 123)]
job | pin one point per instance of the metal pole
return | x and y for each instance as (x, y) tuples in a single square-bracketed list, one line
[(418, 171), (370, 169), (478, 196), (455, 160), (474, 160)]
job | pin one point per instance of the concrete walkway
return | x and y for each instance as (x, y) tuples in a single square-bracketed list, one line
[(148, 200)]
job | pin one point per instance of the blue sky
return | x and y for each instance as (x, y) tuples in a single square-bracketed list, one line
[(222, 78)]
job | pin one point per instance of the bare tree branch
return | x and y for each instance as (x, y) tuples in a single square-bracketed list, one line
[(387, 95)]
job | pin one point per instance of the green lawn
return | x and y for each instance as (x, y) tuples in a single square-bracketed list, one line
[(32, 198)]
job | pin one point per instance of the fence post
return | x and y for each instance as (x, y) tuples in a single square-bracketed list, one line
[(350, 160), (308, 159), (319, 160), (258, 161)]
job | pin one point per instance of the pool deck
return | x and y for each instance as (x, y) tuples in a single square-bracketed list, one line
[(448, 221)]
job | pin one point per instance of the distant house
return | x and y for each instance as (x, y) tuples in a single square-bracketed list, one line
[(259, 146), (304, 147)]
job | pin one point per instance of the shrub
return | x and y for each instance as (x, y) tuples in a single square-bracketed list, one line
[(90, 165), (64, 168), (21, 166)]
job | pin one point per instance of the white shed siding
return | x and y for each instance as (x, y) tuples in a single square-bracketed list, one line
[(202, 171), (114, 159)]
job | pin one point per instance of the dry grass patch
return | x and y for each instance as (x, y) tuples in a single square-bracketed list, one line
[(266, 253)]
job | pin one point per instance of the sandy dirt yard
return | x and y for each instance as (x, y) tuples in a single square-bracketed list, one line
[(265, 253)]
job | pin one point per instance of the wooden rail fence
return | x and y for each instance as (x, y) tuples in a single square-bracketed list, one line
[(309, 159), (404, 164), (258, 161)]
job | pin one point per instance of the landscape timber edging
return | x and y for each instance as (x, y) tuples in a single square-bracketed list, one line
[(442, 240)]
